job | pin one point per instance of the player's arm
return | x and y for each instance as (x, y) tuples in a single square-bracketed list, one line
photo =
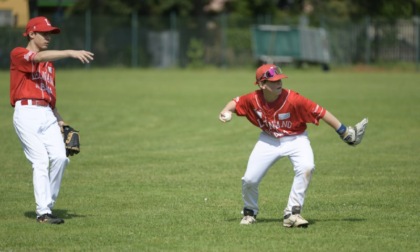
[(342, 130), (331, 120), (59, 118), (230, 106), (228, 109), (53, 55), (346, 133)]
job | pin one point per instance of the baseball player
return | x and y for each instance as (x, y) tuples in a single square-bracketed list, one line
[(282, 115), (36, 118)]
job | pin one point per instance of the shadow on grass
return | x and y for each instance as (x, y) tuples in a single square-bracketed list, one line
[(311, 221), (259, 220), (62, 213)]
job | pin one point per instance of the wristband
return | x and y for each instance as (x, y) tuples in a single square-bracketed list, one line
[(342, 129)]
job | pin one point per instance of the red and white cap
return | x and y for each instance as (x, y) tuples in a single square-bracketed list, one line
[(40, 24), (268, 72)]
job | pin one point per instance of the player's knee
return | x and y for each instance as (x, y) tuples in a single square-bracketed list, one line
[(64, 160), (249, 182), (61, 160), (306, 169), (40, 164), (58, 155)]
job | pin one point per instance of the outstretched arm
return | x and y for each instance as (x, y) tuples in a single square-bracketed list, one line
[(228, 109), (342, 130), (331, 120), (53, 55)]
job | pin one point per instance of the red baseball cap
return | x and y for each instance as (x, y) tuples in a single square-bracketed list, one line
[(40, 24), (269, 72)]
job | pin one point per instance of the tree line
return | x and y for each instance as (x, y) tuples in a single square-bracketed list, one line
[(344, 9)]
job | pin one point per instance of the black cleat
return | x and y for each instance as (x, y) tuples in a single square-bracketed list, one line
[(50, 219)]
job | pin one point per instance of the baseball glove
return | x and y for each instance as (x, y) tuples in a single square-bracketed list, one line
[(71, 140), (354, 135)]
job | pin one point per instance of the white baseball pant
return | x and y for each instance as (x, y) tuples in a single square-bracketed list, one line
[(43, 145), (266, 152)]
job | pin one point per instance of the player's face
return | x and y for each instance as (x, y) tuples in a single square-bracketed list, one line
[(274, 87), (42, 39)]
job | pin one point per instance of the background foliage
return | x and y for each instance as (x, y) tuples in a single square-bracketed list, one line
[(341, 8)]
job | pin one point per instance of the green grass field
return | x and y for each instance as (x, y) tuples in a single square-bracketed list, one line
[(158, 172)]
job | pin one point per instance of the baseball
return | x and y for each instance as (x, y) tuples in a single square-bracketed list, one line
[(227, 116)]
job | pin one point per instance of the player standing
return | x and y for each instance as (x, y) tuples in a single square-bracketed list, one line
[(36, 118), (282, 115)]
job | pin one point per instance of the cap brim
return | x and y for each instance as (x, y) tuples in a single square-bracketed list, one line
[(277, 77), (53, 30), (274, 78), (56, 30)]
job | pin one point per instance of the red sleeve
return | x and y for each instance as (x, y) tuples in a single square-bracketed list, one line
[(243, 104), (309, 111), (21, 58)]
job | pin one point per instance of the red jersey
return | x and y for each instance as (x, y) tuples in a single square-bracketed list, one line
[(31, 80), (287, 116)]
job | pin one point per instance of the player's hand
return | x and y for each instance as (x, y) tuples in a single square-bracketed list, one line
[(349, 136), (354, 135), (225, 116), (82, 55)]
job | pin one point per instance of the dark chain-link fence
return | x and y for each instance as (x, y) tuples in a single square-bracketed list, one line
[(222, 40)]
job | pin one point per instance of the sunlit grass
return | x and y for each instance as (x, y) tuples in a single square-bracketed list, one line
[(158, 172)]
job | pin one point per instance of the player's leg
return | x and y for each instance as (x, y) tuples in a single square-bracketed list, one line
[(27, 121), (263, 156), (302, 158), (54, 144)]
